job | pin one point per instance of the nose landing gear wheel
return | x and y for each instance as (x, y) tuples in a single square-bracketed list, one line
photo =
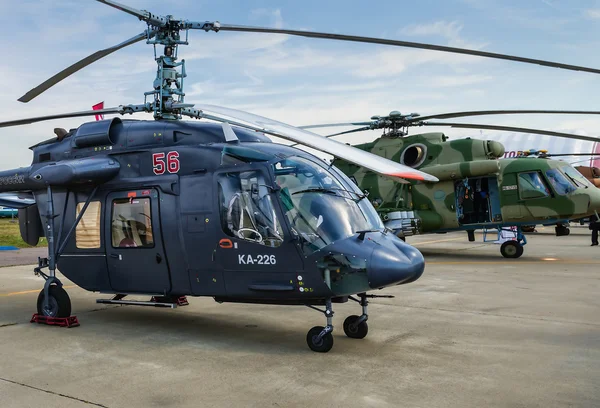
[(353, 330), (320, 345), (59, 304), (511, 249)]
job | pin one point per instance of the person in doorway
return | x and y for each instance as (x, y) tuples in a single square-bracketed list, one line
[(594, 226)]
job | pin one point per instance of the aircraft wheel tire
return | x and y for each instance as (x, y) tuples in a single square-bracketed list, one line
[(353, 331), (323, 345), (511, 249), (59, 302)]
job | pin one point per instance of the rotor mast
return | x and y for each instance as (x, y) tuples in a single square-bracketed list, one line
[(168, 84)]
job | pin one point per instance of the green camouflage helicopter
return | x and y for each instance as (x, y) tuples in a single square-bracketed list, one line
[(476, 190)]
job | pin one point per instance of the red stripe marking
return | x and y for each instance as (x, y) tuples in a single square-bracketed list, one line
[(411, 176), (595, 160)]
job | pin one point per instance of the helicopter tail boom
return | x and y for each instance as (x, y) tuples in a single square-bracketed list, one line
[(15, 180)]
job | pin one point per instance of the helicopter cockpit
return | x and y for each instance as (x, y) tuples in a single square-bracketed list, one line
[(247, 211), (319, 209)]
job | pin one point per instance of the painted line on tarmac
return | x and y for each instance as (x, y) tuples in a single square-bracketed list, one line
[(26, 292), (53, 393)]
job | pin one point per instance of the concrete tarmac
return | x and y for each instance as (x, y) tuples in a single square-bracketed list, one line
[(476, 330)]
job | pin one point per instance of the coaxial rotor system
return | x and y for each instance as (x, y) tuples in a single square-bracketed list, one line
[(166, 99)]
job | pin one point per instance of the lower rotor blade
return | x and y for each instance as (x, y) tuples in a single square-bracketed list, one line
[(513, 129), (500, 112), (306, 138), (334, 125), (372, 40), (82, 64), (27, 121)]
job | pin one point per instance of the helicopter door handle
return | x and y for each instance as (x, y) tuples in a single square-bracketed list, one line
[(117, 256), (158, 258)]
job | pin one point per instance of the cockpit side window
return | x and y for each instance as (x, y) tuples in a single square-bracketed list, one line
[(247, 210), (531, 185)]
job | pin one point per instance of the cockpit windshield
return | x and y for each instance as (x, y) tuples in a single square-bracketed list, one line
[(319, 208), (576, 177), (560, 183)]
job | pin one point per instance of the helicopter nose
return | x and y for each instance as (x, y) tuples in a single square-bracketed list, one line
[(395, 265), (594, 195)]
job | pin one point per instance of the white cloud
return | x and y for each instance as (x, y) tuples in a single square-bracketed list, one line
[(451, 31), (592, 13), (274, 15), (458, 80)]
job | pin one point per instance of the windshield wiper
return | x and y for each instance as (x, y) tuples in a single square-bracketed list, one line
[(316, 190), (573, 180)]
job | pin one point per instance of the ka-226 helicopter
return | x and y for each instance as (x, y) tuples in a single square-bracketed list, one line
[(171, 208), (476, 190)]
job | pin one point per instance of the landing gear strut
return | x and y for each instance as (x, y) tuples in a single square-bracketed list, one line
[(53, 301), (319, 338), (514, 248)]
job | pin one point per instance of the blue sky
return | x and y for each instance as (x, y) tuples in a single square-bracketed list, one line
[(303, 81)]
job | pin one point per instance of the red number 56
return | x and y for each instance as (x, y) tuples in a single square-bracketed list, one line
[(158, 163)]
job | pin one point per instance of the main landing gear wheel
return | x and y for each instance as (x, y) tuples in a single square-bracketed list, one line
[(59, 303), (320, 344), (353, 330), (511, 249), (561, 230)]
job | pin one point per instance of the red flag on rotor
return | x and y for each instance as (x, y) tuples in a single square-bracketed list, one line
[(99, 106)]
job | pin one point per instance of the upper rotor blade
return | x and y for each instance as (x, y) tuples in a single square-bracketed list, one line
[(334, 125), (372, 40), (513, 129), (26, 121), (82, 64), (499, 112), (156, 20), (337, 149)]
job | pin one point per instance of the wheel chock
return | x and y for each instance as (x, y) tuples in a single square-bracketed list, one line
[(69, 322)]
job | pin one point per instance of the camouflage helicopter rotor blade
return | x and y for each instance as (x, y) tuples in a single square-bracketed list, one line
[(571, 154), (44, 86), (499, 112), (335, 125), (216, 26), (512, 129), (350, 131), (340, 133), (271, 127)]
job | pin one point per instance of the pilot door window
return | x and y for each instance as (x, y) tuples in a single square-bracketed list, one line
[(131, 223), (247, 210), (532, 185)]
